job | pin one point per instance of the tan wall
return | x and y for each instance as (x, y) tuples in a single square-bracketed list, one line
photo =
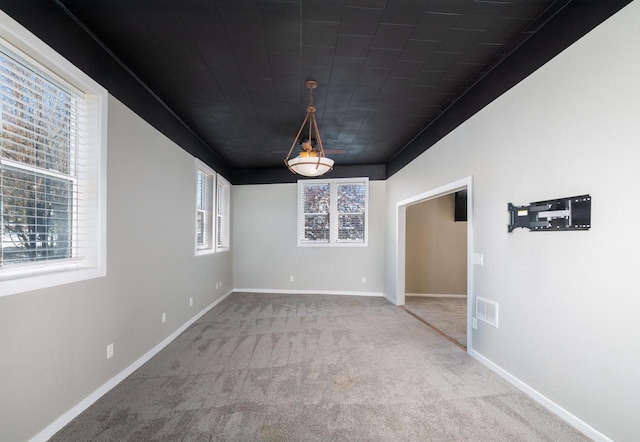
[(436, 251)]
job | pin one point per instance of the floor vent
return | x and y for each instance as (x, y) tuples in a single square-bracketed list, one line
[(487, 311)]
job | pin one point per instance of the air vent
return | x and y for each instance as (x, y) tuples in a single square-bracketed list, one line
[(487, 311)]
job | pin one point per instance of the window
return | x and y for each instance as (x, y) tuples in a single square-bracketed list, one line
[(212, 227), (333, 212), (222, 214), (52, 167), (204, 208)]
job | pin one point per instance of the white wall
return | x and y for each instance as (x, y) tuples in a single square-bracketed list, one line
[(53, 341), (266, 251), (569, 301)]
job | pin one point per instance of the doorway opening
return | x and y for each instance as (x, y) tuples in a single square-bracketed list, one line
[(451, 314)]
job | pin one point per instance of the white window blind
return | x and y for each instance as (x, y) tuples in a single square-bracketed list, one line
[(333, 212), (53, 153), (315, 221), (222, 214), (351, 207), (204, 208), (40, 191)]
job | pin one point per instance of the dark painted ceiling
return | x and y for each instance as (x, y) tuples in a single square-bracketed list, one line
[(232, 72)]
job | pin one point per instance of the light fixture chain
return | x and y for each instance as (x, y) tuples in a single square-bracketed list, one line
[(309, 163)]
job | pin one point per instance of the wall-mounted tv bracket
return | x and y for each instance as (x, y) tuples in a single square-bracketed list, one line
[(573, 213)]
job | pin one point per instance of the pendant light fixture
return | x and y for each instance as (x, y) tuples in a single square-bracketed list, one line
[(310, 162)]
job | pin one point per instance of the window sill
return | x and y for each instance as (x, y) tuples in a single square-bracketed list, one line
[(14, 282), (339, 244), (204, 252)]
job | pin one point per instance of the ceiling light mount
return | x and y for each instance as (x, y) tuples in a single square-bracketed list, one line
[(309, 162)]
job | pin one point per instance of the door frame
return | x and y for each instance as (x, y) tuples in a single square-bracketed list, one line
[(401, 238)]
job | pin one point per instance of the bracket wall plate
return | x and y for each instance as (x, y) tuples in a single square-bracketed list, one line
[(571, 213)]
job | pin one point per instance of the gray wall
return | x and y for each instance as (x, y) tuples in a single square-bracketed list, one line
[(266, 251), (436, 248), (53, 341), (569, 301)]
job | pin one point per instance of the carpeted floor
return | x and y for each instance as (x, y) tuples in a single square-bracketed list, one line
[(448, 315), (313, 368)]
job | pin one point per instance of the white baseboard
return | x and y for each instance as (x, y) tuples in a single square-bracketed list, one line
[(63, 420), (547, 403), (308, 292), (390, 299), (434, 295)]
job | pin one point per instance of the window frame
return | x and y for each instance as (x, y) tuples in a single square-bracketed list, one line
[(20, 43), (223, 219), (208, 212), (219, 219), (333, 213)]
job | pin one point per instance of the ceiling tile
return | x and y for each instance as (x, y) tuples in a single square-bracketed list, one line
[(479, 22), (346, 70), (374, 75), (442, 61), (285, 42), (322, 10), (460, 41), (397, 85), (407, 69), (482, 53), (382, 58), (353, 46), (418, 50), (317, 56), (429, 78), (323, 34), (284, 62), (279, 16), (367, 90), (367, 3), (449, 6), (360, 21), (392, 36), (434, 26), (400, 17)]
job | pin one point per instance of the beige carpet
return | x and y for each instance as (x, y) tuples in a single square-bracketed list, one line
[(448, 315), (313, 368)]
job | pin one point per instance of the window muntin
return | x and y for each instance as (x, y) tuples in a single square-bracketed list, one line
[(333, 212), (38, 170), (37, 216), (316, 200), (351, 211)]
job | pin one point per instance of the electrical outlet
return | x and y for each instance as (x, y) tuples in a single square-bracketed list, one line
[(164, 317), (291, 278), (110, 351), (190, 301), (478, 259), (220, 284), (364, 279), (474, 323)]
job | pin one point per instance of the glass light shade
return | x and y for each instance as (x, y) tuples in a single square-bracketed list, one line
[(306, 164)]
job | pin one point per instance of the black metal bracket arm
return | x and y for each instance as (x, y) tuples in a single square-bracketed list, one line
[(571, 213)]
